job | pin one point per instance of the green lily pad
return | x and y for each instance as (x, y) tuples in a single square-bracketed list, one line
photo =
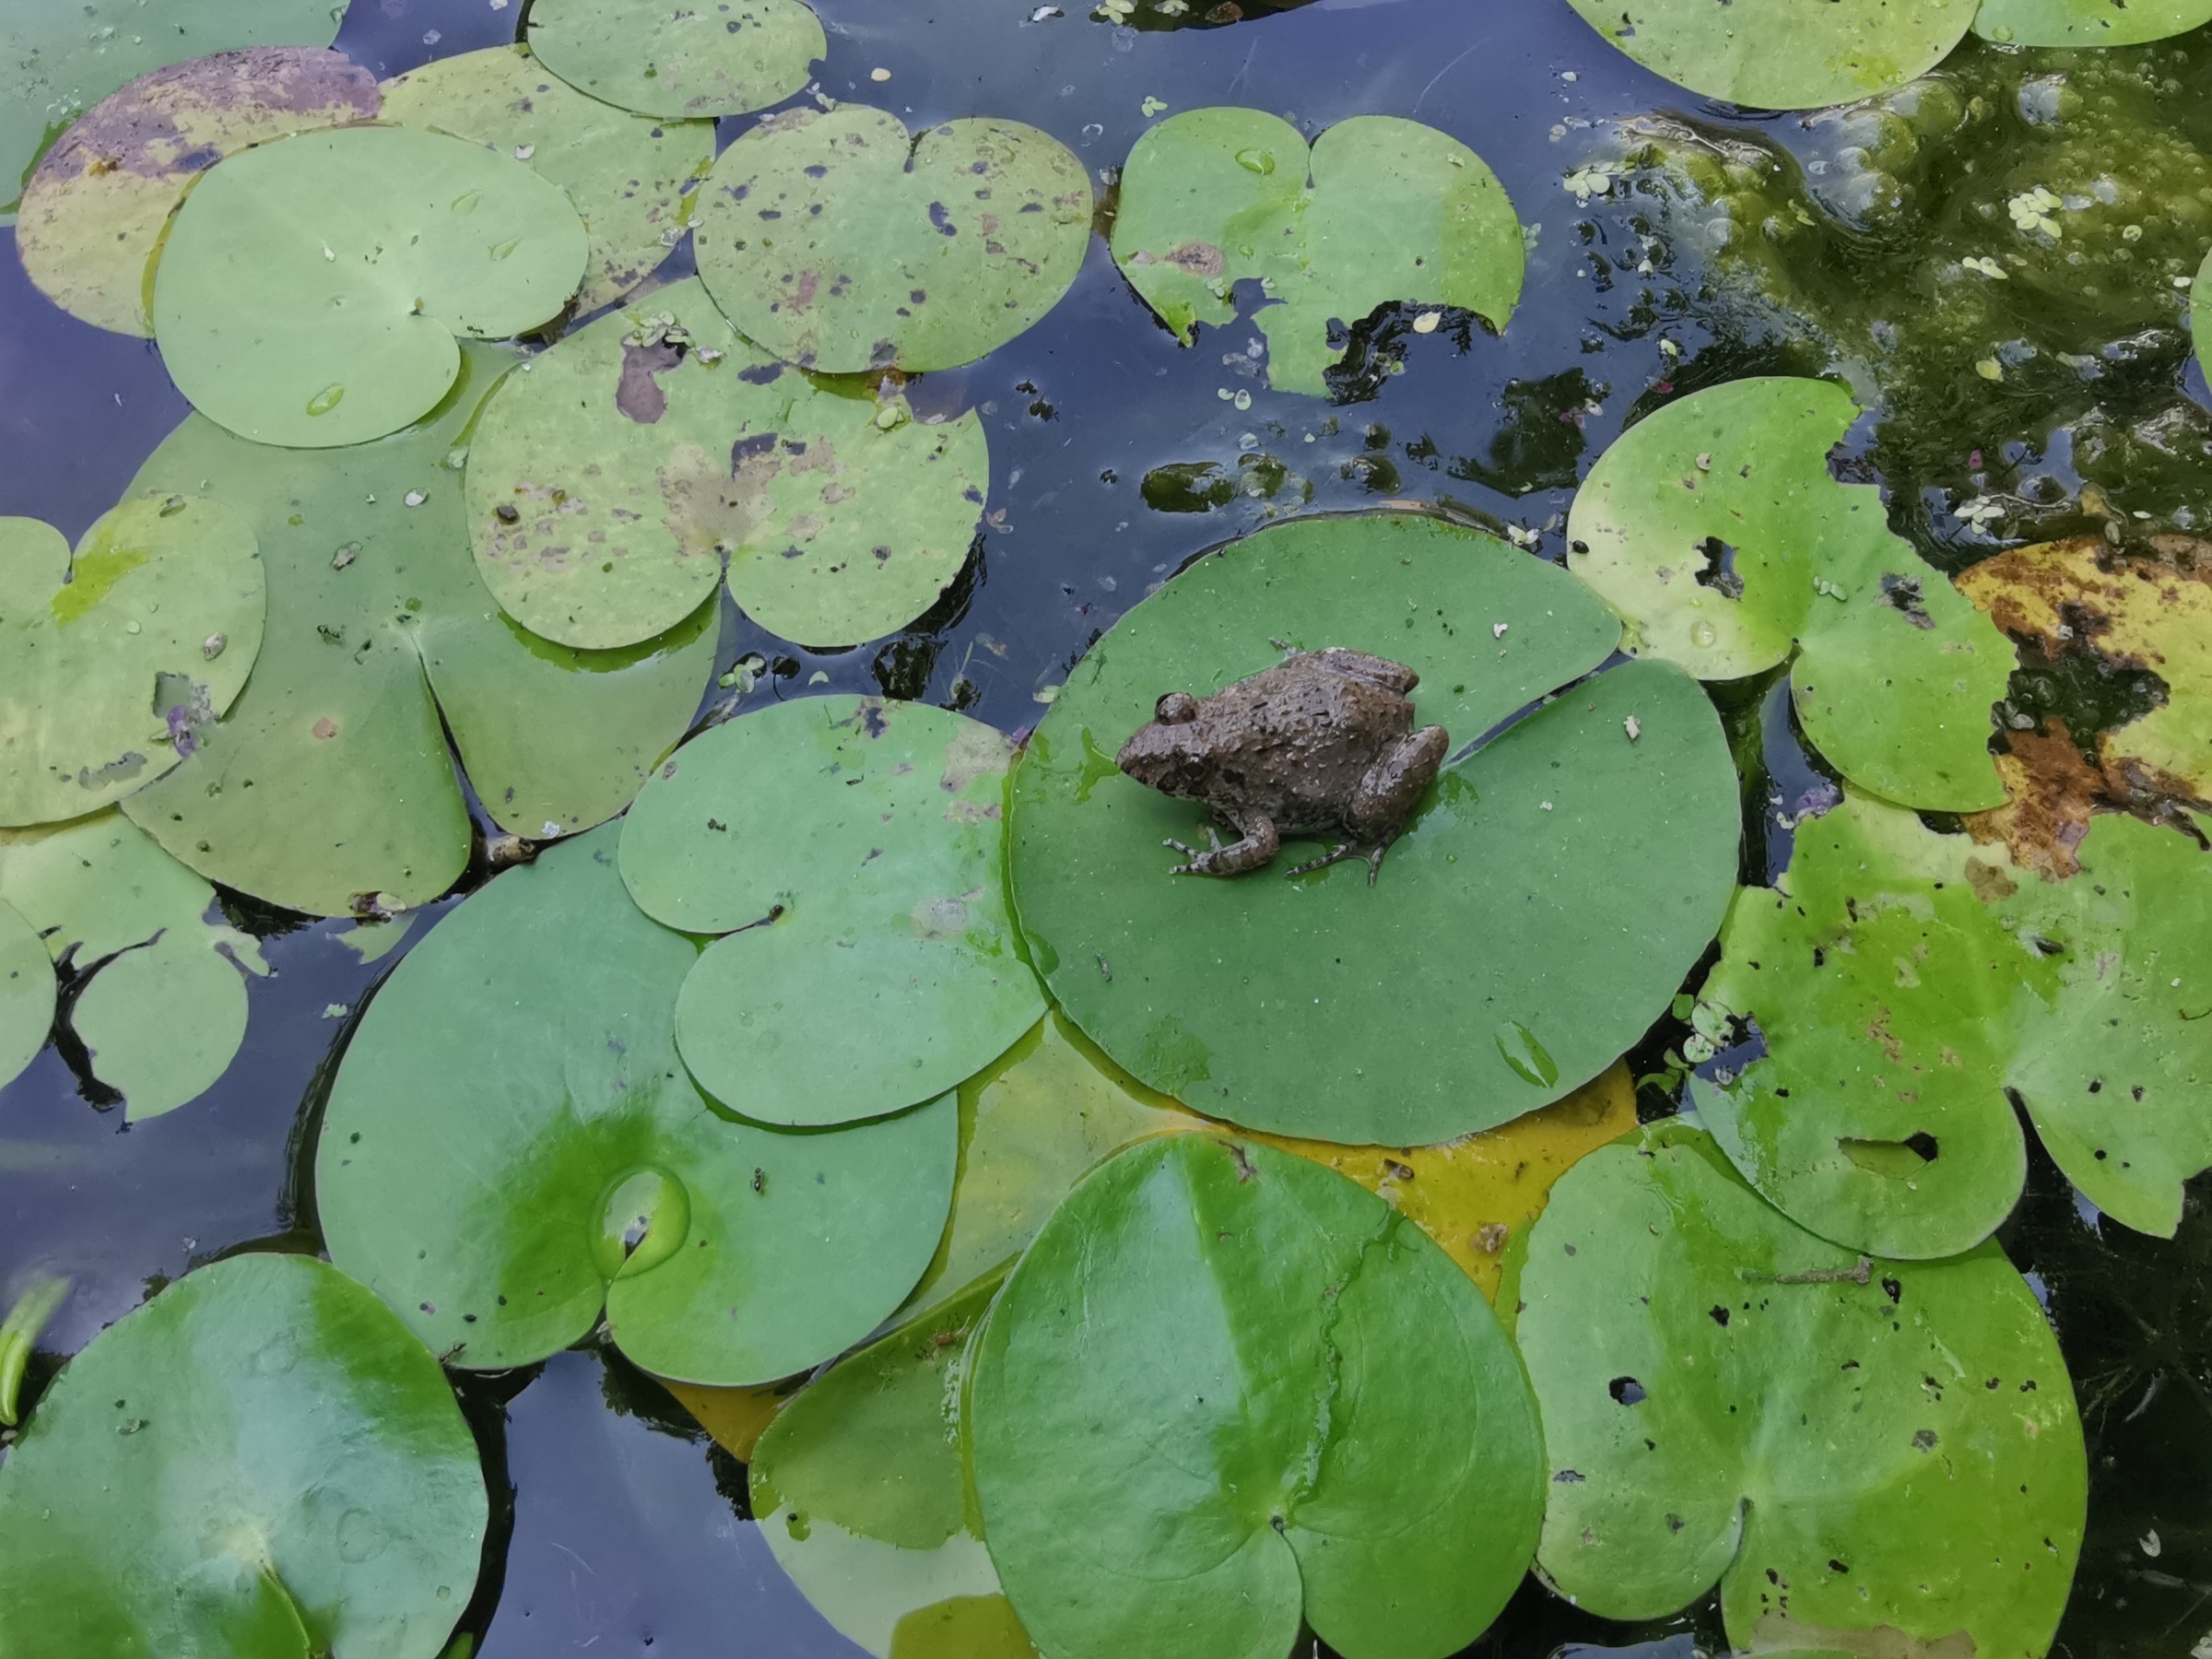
[(1776, 54), (860, 1489), (842, 243), (607, 486), (627, 175), (1207, 1402), (330, 786), (723, 57), (56, 61), (308, 290), (1867, 1458), (113, 662), (260, 1461), (1714, 527), (1382, 209), (26, 993), (850, 849), (164, 1009), (2200, 315), (512, 1147), (1505, 916), (94, 211), (1907, 983), (2087, 22)]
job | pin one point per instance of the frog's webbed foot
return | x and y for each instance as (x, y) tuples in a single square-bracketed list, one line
[(1336, 854), (1255, 848)]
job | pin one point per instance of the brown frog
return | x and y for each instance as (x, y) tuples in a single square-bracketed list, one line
[(1322, 742)]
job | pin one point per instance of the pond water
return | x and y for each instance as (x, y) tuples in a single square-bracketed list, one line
[(1116, 455)]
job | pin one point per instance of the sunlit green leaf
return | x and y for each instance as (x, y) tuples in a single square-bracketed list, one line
[(1532, 921), (2087, 22), (1392, 210), (1714, 527), (26, 992), (308, 290), (850, 851), (1206, 1404), (511, 1145), (1866, 1456), (724, 57), (260, 1460), (840, 242)]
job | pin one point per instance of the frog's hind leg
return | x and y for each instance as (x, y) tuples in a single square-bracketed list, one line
[(1336, 854), (1256, 844)]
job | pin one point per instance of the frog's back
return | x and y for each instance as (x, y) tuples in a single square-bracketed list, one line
[(1297, 739)]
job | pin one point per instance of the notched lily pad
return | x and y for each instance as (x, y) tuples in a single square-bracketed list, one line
[(330, 787), (1866, 1456), (849, 852), (93, 213), (1714, 527), (114, 661), (512, 1147), (1382, 209), (1205, 1407), (260, 1460), (609, 483), (629, 176), (842, 243), (308, 290), (712, 57), (1316, 1005)]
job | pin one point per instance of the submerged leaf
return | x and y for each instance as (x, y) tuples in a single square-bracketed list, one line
[(1866, 1456), (661, 58), (842, 243), (1205, 1404), (260, 1461), (511, 1145), (1714, 527), (308, 290)]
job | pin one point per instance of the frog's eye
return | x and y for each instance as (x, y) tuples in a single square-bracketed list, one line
[(1177, 708)]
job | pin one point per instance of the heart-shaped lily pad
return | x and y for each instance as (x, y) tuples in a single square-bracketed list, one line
[(511, 1145), (1778, 54), (330, 786), (1540, 910), (115, 662), (56, 61), (310, 289), (627, 176), (260, 1461), (841, 242), (861, 1490), (1714, 527), (704, 58), (850, 849), (607, 486), (26, 992), (1207, 1402), (161, 1006), (1382, 209), (1905, 985), (93, 213), (2087, 22), (1867, 1458)]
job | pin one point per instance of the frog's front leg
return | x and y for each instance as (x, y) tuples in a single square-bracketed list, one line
[(1256, 844), (1392, 787)]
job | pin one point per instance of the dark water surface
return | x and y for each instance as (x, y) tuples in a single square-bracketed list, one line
[(1116, 455)]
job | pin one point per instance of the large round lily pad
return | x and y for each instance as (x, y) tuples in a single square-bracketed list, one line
[(330, 786), (841, 242), (627, 176), (1779, 54), (1868, 1457), (2087, 22), (511, 1145), (26, 992), (1713, 525), (1906, 985), (260, 1461), (310, 289), (608, 485), (57, 61), (663, 57), (114, 661), (850, 849), (93, 213), (1208, 1402), (1540, 910)]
